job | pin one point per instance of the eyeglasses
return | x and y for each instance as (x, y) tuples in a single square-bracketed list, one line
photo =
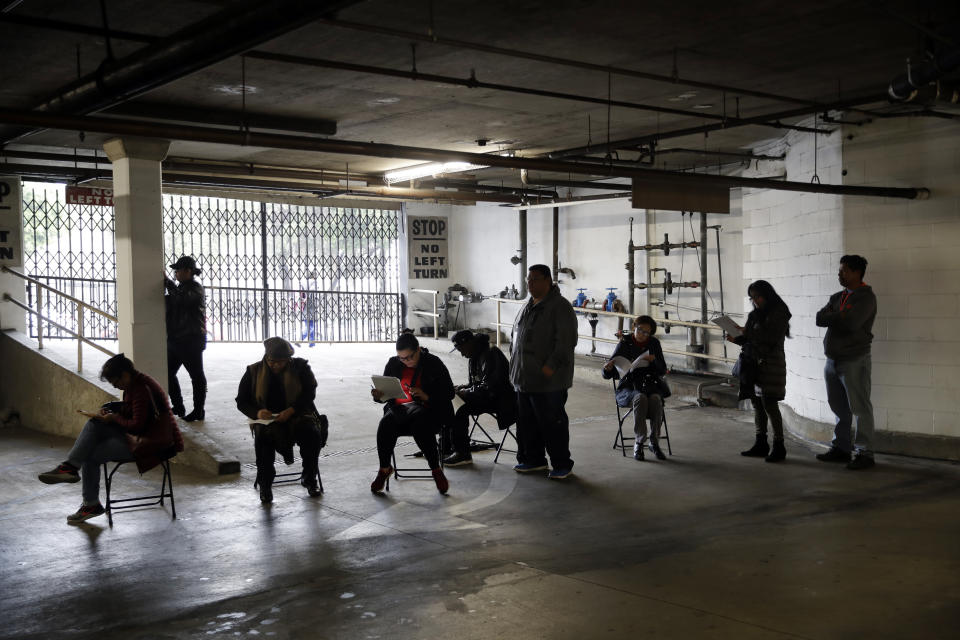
[(408, 358), (642, 332)]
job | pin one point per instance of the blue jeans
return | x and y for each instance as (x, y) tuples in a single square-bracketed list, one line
[(97, 443), (543, 427), (848, 392)]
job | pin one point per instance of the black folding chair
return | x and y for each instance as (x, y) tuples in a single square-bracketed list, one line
[(418, 473), (623, 442), (166, 488), (479, 443), (501, 446), (291, 476)]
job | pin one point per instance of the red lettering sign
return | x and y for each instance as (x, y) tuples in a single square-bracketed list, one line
[(91, 196)]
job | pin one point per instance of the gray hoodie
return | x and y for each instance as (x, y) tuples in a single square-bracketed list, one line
[(848, 328), (543, 334)]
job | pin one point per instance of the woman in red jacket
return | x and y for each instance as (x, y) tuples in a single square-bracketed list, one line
[(141, 429)]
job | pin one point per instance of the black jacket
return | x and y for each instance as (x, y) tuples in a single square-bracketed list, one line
[(850, 328), (186, 313), (638, 378), (302, 404), (432, 376), (489, 381), (763, 341)]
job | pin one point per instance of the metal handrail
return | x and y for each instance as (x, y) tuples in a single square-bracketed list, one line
[(704, 356), (81, 305), (629, 316)]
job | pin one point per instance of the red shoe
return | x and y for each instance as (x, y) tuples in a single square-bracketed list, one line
[(378, 483), (441, 480)]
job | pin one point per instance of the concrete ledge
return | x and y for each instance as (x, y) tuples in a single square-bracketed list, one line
[(46, 391), (919, 445)]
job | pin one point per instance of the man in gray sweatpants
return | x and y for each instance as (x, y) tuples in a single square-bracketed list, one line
[(849, 317)]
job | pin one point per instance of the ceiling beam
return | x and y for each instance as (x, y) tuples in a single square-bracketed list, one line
[(224, 117), (222, 35), (119, 127)]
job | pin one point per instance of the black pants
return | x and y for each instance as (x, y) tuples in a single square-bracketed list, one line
[(279, 437), (423, 427), (189, 354), (762, 408), (543, 427), (457, 435)]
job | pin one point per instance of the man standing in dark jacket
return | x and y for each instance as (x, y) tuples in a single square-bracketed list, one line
[(848, 317), (282, 388), (186, 336), (488, 390), (541, 371)]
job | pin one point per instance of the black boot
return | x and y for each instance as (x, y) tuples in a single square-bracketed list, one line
[(778, 453), (759, 449)]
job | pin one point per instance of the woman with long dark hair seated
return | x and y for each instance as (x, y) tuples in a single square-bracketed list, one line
[(768, 325), (427, 407), (642, 388), (141, 429)]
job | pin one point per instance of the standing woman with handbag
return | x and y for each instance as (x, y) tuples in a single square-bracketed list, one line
[(762, 342), (643, 388)]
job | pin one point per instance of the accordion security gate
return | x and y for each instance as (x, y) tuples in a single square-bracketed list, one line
[(324, 274)]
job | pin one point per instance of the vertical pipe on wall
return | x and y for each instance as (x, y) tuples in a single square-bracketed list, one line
[(703, 287), (264, 266), (630, 270), (523, 254), (556, 244)]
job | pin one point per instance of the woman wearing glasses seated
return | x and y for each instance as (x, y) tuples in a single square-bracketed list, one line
[(641, 382), (427, 407)]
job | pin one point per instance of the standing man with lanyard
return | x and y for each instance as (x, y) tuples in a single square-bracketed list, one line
[(541, 371), (848, 317), (186, 336)]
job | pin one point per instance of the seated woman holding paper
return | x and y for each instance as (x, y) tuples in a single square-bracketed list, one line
[(279, 391), (426, 405), (763, 367), (141, 428), (639, 365)]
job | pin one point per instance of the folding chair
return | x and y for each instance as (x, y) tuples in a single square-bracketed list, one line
[(487, 442), (621, 441), (501, 445), (421, 473), (289, 477), (166, 488)]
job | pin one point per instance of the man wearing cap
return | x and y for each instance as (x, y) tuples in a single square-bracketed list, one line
[(186, 336), (281, 388), (488, 390)]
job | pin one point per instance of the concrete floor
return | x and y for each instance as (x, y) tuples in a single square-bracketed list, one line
[(705, 545)]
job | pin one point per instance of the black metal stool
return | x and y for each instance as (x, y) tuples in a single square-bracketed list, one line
[(166, 488)]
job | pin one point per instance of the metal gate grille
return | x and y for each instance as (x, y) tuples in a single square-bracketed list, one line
[(69, 247), (305, 273)]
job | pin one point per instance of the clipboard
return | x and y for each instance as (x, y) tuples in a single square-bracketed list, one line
[(727, 324), (390, 387)]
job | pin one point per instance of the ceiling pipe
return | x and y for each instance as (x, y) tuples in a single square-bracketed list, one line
[(112, 126), (224, 117), (908, 86), (707, 128), (473, 83), (60, 25), (218, 37)]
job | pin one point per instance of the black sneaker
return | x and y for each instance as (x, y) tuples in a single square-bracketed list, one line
[(85, 512), (861, 461), (657, 452), (196, 415), (313, 489), (458, 459), (65, 472), (638, 453), (833, 455), (179, 410)]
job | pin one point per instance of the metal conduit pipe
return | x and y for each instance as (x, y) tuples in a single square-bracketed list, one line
[(522, 222), (95, 124), (218, 37), (556, 245), (707, 128), (907, 86)]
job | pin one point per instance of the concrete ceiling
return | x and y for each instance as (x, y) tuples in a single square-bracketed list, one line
[(818, 51)]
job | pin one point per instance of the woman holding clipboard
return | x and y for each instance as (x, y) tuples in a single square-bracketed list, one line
[(642, 386)]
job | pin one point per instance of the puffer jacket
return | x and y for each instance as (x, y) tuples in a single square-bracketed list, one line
[(763, 339), (543, 334)]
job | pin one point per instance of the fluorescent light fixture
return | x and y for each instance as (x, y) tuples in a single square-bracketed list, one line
[(430, 169)]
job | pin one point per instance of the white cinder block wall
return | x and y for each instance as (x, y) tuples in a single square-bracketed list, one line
[(913, 250)]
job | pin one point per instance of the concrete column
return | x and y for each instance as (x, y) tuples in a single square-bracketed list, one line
[(139, 242), (11, 253)]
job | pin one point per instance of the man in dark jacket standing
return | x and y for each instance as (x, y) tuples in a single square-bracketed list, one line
[(849, 317), (488, 390), (186, 336), (282, 388), (541, 371)]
